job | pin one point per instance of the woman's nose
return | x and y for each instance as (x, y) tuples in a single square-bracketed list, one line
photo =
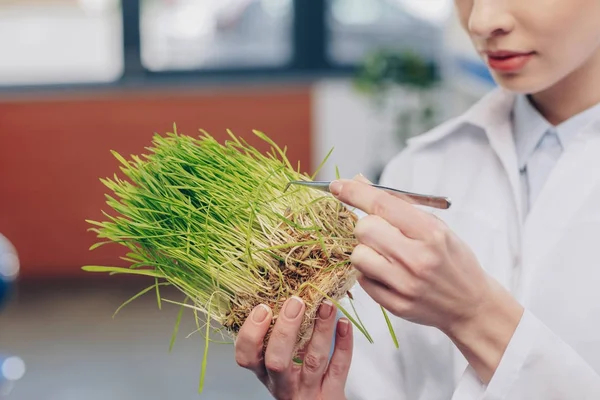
[(490, 18)]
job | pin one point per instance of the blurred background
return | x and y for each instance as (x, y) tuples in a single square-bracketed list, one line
[(81, 77)]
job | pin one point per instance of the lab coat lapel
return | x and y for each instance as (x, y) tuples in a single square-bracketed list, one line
[(493, 114), (567, 188), (502, 141)]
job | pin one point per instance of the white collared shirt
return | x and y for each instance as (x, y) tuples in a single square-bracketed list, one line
[(539, 144)]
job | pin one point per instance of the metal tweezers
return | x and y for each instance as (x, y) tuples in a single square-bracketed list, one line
[(414, 198)]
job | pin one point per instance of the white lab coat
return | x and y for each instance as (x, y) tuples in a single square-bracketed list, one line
[(550, 261)]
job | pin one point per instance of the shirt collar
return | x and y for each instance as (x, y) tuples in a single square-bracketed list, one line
[(568, 129), (529, 127), (492, 109)]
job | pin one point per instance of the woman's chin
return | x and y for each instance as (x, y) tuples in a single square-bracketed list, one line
[(522, 82)]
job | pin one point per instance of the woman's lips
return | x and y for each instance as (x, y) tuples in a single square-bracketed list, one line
[(507, 61)]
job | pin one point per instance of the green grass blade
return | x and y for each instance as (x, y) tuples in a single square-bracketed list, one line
[(120, 158), (322, 164), (96, 245), (183, 305), (119, 270), (177, 323), (275, 146), (356, 313), (139, 294), (359, 325), (205, 356), (233, 137), (390, 327), (157, 293)]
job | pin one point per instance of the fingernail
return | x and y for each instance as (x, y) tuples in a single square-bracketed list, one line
[(293, 307), (335, 187), (362, 178), (343, 327), (325, 309), (260, 313)]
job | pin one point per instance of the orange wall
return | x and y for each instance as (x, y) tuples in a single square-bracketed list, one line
[(54, 149)]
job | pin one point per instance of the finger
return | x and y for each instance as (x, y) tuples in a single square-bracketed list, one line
[(413, 222), (250, 339), (297, 361), (375, 267), (381, 236), (386, 297), (335, 378), (415, 256), (317, 351), (278, 356)]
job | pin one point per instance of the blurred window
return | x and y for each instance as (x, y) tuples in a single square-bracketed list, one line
[(60, 41), (82, 41), (211, 34), (356, 27)]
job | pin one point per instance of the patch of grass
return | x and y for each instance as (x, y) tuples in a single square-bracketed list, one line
[(214, 221)]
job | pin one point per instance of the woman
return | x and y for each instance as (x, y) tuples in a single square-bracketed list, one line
[(497, 297)]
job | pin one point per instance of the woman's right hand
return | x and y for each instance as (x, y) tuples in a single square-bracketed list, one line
[(318, 377)]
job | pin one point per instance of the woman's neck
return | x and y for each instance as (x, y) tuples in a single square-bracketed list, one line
[(573, 94)]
